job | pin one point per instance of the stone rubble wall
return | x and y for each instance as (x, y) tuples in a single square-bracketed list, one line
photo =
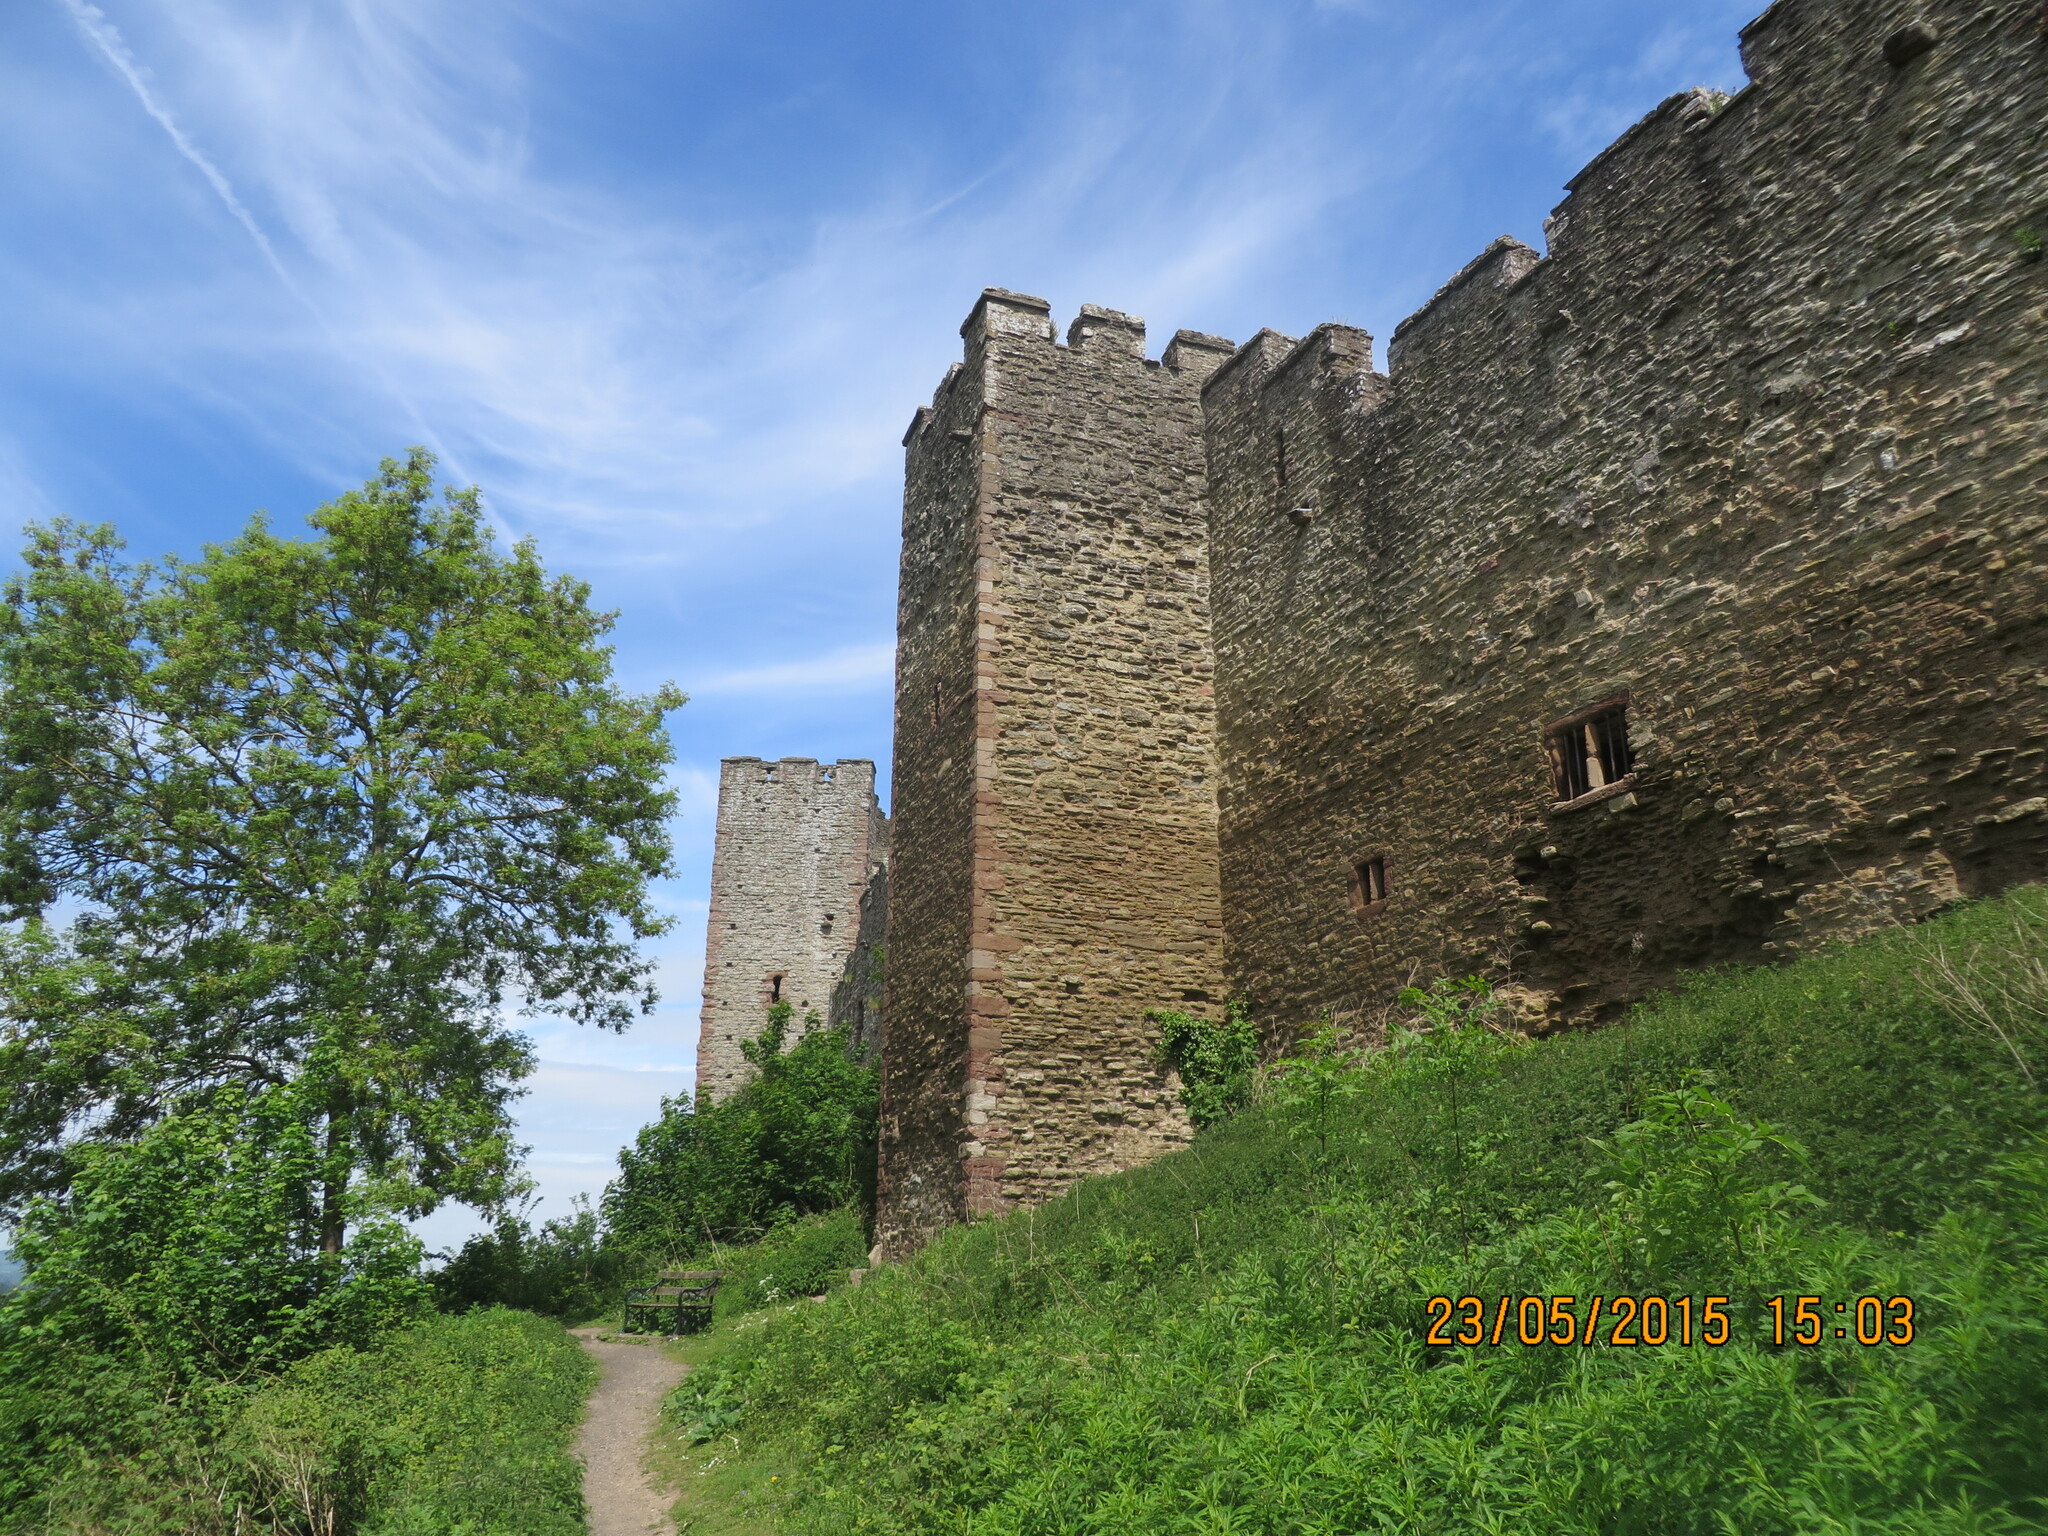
[(1055, 872), (1759, 446), (857, 996), (1756, 452), (797, 845)]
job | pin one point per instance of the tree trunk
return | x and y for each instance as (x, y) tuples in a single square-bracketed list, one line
[(333, 1227)]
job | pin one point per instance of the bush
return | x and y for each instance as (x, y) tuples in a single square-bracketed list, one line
[(807, 1257), (798, 1139), (190, 1247), (1215, 1059), (565, 1270), (460, 1426), (454, 1426), (1232, 1338)]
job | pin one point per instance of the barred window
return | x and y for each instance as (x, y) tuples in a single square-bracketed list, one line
[(1589, 750)]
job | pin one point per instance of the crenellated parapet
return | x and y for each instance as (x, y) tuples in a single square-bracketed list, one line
[(1676, 596), (1750, 465), (1054, 874)]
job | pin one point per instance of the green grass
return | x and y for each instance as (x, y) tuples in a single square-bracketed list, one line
[(455, 1426), (460, 1426), (1230, 1340), (802, 1258), (722, 1488)]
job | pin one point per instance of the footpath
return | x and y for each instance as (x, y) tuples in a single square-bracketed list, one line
[(617, 1425)]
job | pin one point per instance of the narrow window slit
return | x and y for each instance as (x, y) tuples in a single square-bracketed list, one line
[(1369, 884)]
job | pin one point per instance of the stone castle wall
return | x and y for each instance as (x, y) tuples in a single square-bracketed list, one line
[(857, 996), (1749, 473), (1758, 448), (1055, 865), (797, 845)]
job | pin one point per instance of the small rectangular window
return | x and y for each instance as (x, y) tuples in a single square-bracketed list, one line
[(1369, 884), (1589, 750)]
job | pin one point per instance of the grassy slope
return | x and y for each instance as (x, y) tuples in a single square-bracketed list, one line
[(459, 1426), (1229, 1340), (455, 1426)]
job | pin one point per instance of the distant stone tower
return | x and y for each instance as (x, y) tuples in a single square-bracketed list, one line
[(1054, 869), (798, 843)]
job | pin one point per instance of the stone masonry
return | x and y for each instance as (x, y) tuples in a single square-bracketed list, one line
[(797, 845), (1756, 453), (1054, 776), (1679, 596)]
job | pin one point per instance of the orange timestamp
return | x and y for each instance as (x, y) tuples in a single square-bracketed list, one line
[(1624, 1322)]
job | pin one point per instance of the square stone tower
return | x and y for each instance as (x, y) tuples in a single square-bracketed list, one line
[(1054, 874), (796, 846)]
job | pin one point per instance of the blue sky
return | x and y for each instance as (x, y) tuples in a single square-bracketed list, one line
[(668, 279)]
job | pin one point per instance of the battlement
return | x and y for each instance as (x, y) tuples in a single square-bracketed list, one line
[(1053, 874), (1678, 596)]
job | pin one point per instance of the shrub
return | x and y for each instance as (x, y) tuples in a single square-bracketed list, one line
[(1214, 1057), (806, 1257), (798, 1139), (458, 1425), (453, 1426), (190, 1247), (564, 1270)]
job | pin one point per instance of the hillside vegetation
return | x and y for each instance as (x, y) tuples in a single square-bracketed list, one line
[(449, 1426), (1232, 1339)]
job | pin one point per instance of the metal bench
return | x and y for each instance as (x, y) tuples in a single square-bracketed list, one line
[(678, 1302)]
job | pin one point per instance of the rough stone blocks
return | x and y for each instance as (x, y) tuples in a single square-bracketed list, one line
[(797, 844)]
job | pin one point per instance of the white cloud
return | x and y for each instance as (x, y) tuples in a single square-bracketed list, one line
[(849, 667), (374, 222)]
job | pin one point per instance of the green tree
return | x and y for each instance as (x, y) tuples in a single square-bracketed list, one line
[(323, 807), (795, 1140)]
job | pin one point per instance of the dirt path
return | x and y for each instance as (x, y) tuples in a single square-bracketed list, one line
[(616, 1425)]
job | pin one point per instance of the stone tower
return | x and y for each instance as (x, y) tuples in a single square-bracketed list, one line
[(1055, 864), (798, 842)]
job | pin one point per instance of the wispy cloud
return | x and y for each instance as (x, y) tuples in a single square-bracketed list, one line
[(106, 39), (668, 281), (849, 667)]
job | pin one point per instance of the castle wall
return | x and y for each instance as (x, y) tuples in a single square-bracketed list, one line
[(857, 995), (1758, 451), (1054, 871), (797, 843)]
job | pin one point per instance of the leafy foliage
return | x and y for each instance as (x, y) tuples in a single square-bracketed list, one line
[(1214, 1057), (459, 1425), (1230, 1339), (565, 1269), (324, 802), (1681, 1188), (321, 808), (797, 1139), (805, 1257), (191, 1248), (452, 1424)]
